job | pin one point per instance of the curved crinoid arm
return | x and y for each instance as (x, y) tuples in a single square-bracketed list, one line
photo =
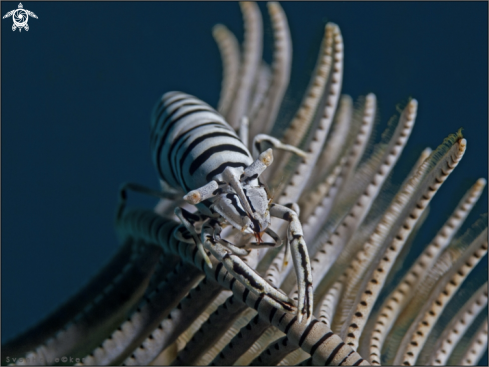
[(216, 351), (303, 118), (422, 291), (312, 199), (249, 66), (330, 244), (305, 168), (192, 332), (150, 311), (275, 277), (323, 195), (288, 353), (259, 342), (364, 231), (207, 337), (329, 303), (459, 324), (109, 281), (445, 289), (397, 222), (264, 117), (229, 49), (315, 338), (295, 358), (274, 353), (331, 57), (241, 342), (401, 295), (82, 322), (477, 346), (192, 310), (366, 114), (317, 100), (260, 89), (345, 157), (338, 140)]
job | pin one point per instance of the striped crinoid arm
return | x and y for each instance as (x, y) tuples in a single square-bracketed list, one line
[(315, 338), (311, 103), (391, 233), (297, 129), (458, 326), (68, 311), (401, 295), (366, 114), (271, 351), (206, 310), (477, 346), (294, 358), (329, 304), (150, 311), (260, 89), (221, 323), (320, 196), (196, 326), (264, 117), (329, 246), (350, 124), (319, 202), (338, 140), (274, 353), (214, 334), (368, 226), (326, 182), (227, 322), (190, 311), (446, 287), (373, 172), (250, 63), (254, 355), (424, 290), (230, 55), (241, 343), (257, 334), (297, 183), (107, 309), (331, 57)]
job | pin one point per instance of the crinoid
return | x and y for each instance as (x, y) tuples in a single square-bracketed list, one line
[(385, 292)]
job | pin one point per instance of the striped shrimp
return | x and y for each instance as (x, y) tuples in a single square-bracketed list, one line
[(195, 150)]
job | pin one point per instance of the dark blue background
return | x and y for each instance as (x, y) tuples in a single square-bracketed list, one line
[(79, 86)]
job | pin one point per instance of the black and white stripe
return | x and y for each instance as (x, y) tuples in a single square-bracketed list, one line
[(191, 143)]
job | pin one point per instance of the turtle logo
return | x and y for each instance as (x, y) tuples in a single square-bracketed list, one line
[(20, 17)]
